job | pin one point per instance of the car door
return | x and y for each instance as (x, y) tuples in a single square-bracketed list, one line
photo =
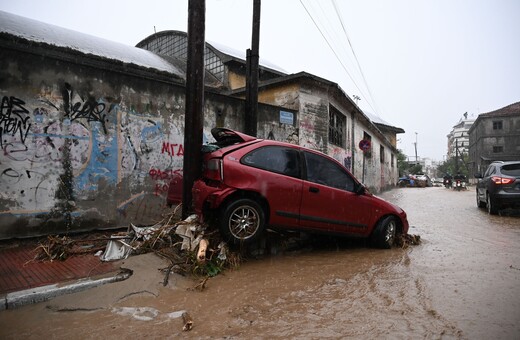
[(483, 182), (329, 201), (274, 172)]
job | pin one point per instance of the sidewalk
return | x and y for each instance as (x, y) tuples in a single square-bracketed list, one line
[(22, 275)]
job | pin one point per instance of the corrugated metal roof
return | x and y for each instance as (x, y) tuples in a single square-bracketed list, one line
[(40, 32)]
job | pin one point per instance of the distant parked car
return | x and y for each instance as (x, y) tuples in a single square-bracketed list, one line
[(249, 184), (499, 187)]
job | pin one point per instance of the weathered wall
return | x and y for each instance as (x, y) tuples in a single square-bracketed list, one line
[(83, 147), (86, 148)]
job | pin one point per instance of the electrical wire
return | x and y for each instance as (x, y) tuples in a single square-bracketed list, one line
[(354, 54), (369, 98)]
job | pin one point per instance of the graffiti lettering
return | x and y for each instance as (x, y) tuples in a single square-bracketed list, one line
[(91, 110), (170, 149), (13, 119), (158, 174), (160, 189)]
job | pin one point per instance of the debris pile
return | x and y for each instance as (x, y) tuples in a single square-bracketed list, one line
[(60, 248), (406, 240), (189, 247)]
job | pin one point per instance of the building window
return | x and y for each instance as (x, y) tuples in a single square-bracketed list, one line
[(498, 149), (497, 125), (337, 127), (393, 160), (382, 154)]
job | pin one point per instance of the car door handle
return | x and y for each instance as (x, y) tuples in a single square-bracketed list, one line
[(314, 189)]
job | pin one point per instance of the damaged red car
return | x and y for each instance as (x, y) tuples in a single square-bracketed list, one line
[(251, 184)]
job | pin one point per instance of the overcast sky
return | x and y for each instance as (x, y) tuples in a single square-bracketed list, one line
[(423, 63)]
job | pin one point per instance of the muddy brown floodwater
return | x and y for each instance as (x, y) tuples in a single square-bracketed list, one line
[(462, 281)]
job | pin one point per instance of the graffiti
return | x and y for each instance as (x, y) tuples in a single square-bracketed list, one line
[(14, 119), (158, 174), (171, 148), (90, 110), (160, 189)]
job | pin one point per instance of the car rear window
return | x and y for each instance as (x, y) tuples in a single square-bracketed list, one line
[(276, 159), (511, 170)]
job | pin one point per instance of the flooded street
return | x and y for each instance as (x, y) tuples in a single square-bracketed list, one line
[(462, 281)]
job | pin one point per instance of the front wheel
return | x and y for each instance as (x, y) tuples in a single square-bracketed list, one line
[(242, 221), (384, 233), (480, 204)]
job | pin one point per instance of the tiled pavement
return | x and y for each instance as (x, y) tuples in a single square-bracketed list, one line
[(19, 271)]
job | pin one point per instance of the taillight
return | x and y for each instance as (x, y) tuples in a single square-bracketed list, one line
[(502, 180), (214, 169)]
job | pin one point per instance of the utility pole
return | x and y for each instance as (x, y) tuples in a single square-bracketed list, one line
[(416, 160), (193, 118), (252, 61), (457, 156)]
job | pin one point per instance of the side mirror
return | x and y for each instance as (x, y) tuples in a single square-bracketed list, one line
[(478, 175), (360, 189)]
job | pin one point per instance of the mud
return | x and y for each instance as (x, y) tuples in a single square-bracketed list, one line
[(463, 281)]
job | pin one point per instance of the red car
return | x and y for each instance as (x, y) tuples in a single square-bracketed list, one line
[(249, 184)]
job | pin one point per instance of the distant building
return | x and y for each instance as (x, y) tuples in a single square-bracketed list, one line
[(458, 138), (495, 136)]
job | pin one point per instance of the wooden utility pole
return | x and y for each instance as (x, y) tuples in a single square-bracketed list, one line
[(252, 61), (193, 119)]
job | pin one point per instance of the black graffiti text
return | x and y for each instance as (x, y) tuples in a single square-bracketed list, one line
[(14, 119), (90, 110)]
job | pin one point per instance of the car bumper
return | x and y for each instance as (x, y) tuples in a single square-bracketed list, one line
[(208, 197), (507, 199)]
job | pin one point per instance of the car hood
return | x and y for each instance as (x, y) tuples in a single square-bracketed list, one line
[(388, 205)]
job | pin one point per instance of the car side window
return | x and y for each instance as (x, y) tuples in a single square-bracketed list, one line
[(277, 159), (490, 171), (323, 171)]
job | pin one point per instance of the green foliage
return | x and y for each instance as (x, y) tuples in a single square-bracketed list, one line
[(452, 166), (405, 167)]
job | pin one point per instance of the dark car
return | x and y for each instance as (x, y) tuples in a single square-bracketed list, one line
[(499, 187), (249, 184)]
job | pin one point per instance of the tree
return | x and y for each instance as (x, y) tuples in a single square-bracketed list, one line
[(449, 166), (405, 167)]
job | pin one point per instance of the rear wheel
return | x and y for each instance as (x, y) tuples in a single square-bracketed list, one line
[(384, 233), (242, 221), (492, 205)]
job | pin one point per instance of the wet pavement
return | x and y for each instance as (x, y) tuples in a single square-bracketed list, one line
[(462, 281)]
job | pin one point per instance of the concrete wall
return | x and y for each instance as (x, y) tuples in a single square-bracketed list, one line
[(85, 147)]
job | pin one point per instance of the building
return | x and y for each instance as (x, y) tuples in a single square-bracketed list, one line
[(495, 136), (458, 138), (92, 130)]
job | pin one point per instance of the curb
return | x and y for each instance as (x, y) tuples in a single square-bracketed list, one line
[(39, 294)]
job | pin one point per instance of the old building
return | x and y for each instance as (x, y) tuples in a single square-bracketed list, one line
[(495, 136), (92, 130)]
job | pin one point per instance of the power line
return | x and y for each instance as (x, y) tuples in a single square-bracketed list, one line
[(354, 53), (370, 97)]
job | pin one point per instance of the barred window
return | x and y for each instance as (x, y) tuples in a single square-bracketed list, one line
[(498, 149), (337, 127), (177, 46)]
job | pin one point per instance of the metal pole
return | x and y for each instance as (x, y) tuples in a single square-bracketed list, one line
[(193, 119)]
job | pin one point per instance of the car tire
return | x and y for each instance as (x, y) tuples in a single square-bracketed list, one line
[(480, 204), (242, 221), (384, 233), (492, 206)]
